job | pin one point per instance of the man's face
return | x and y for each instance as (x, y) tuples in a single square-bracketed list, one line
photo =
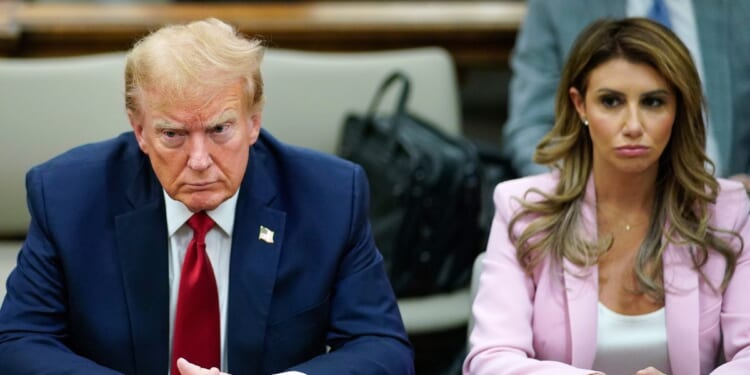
[(199, 151)]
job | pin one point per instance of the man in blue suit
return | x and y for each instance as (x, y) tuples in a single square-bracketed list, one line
[(279, 276)]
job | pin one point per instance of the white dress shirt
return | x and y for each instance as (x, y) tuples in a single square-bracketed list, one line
[(218, 249)]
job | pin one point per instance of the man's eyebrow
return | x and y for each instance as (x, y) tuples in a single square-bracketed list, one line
[(164, 124), (229, 114)]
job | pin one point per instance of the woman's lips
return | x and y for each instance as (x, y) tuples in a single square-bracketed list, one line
[(632, 151)]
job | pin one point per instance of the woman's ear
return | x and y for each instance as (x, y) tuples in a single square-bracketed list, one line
[(578, 101)]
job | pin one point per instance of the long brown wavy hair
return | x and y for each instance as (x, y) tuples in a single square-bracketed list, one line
[(685, 187)]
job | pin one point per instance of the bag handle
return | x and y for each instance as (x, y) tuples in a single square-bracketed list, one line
[(393, 78), (390, 130)]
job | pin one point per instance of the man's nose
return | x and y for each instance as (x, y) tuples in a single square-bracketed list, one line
[(199, 158)]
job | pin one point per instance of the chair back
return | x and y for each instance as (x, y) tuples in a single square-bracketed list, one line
[(308, 94), (48, 105)]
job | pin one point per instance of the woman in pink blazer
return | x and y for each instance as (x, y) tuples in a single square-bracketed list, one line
[(628, 257)]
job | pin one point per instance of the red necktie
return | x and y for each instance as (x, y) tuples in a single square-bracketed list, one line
[(196, 323)]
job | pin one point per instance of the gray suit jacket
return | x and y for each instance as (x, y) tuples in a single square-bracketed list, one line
[(548, 33)]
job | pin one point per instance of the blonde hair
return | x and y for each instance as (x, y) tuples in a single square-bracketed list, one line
[(191, 63), (684, 187)]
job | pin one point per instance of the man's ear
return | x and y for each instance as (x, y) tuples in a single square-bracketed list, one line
[(578, 102), (254, 127), (136, 122)]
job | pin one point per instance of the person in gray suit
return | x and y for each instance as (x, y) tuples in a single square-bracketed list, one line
[(719, 32)]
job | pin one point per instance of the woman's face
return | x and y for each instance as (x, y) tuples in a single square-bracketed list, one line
[(630, 109)]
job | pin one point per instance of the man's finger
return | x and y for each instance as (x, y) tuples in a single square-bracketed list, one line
[(187, 368)]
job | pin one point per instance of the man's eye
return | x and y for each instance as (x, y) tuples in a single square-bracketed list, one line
[(172, 137), (221, 132)]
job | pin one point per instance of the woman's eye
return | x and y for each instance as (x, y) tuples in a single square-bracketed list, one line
[(610, 101), (652, 102)]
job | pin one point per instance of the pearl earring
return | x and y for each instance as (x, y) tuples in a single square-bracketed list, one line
[(585, 122)]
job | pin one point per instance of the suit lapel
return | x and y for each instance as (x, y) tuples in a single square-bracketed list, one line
[(597, 9), (253, 267), (591, 10), (571, 17), (612, 9), (582, 291), (711, 21), (141, 236), (682, 309)]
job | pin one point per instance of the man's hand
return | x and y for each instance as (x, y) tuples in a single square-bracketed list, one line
[(649, 371), (187, 368)]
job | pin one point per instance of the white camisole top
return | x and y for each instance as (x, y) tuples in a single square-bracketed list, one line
[(628, 343)]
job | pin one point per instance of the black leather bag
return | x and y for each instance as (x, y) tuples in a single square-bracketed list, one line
[(425, 194)]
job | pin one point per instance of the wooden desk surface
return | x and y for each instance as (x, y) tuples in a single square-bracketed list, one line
[(477, 33)]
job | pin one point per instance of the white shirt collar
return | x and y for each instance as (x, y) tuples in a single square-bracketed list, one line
[(178, 214)]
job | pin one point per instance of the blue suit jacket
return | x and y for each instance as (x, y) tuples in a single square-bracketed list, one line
[(548, 33), (90, 292)]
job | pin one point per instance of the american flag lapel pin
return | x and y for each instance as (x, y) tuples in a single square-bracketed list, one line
[(265, 235)]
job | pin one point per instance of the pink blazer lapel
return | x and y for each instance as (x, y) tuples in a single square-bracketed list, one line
[(682, 309), (582, 291)]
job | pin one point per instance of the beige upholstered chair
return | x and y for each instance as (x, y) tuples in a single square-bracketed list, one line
[(46, 107), (50, 105)]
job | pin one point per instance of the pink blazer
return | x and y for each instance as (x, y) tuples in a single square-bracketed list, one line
[(546, 323)]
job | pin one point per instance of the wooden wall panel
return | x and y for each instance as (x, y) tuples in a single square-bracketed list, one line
[(477, 33)]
